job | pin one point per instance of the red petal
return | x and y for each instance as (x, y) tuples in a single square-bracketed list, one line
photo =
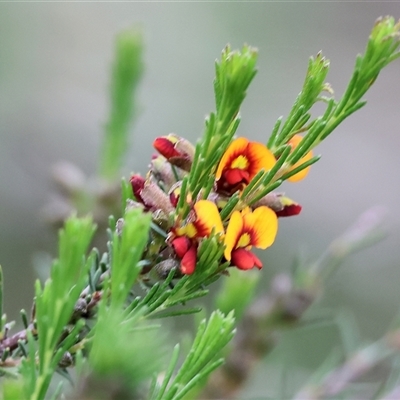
[(290, 210), (181, 245), (244, 259), (137, 183), (188, 263), (174, 198), (257, 261), (236, 175), (165, 147)]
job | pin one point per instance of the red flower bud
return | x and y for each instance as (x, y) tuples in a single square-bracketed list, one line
[(289, 210), (137, 183), (150, 194), (176, 150), (165, 147), (282, 205)]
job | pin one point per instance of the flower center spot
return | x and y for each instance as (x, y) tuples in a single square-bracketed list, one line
[(244, 241), (188, 230), (240, 162), (191, 231)]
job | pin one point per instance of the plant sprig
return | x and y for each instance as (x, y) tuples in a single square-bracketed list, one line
[(234, 73), (212, 336), (55, 303), (382, 49), (127, 72), (112, 323)]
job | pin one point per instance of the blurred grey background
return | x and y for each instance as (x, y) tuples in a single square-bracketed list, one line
[(55, 63)]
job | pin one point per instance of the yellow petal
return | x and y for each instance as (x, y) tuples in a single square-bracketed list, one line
[(264, 227), (233, 233), (294, 142), (207, 218)]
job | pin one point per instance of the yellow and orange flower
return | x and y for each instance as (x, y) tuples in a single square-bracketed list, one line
[(247, 229), (294, 142), (204, 220), (240, 163)]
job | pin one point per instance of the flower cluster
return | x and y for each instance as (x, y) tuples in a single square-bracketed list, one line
[(248, 224)]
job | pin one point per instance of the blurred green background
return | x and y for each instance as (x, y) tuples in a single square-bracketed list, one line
[(55, 61)]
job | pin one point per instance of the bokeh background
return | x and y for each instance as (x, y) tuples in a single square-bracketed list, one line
[(55, 61)]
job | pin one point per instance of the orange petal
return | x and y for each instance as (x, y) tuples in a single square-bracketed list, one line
[(207, 218), (260, 157), (262, 224), (294, 142), (234, 150), (233, 233)]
